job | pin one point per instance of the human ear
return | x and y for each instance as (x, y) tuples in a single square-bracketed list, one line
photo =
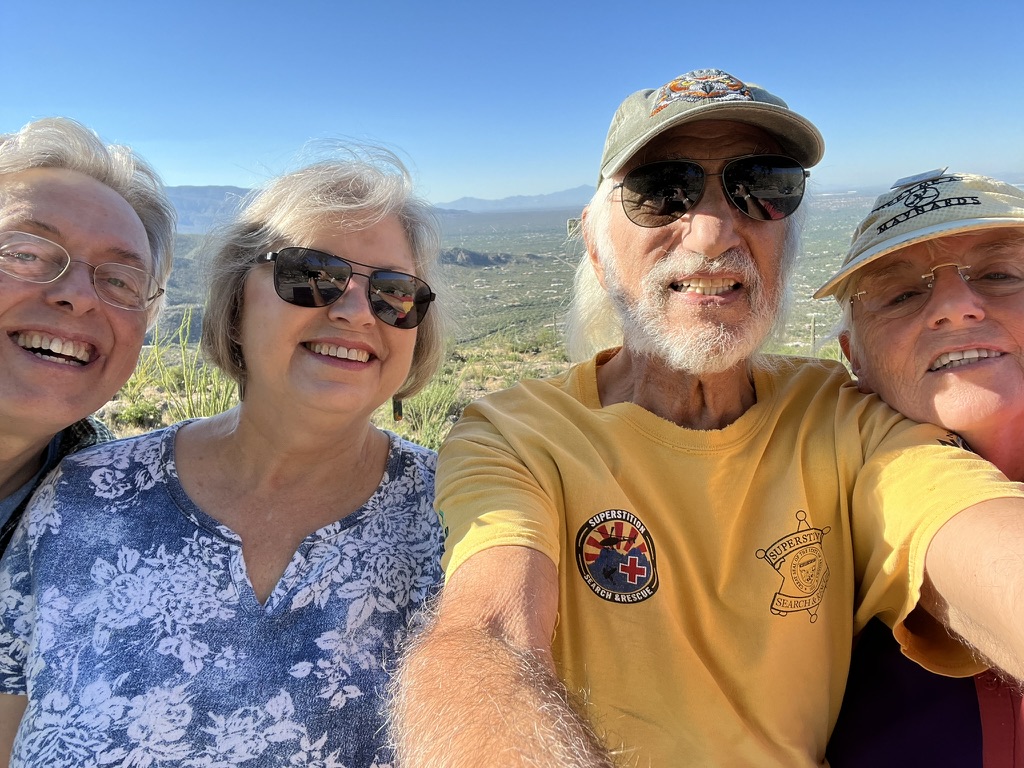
[(850, 353), (595, 259)]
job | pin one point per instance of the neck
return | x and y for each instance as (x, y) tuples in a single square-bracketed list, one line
[(1001, 447), (20, 458), (263, 455), (709, 401)]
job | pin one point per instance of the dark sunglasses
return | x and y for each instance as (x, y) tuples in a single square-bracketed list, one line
[(308, 278), (764, 187)]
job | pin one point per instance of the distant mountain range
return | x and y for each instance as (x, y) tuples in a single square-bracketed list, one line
[(569, 198), (201, 208)]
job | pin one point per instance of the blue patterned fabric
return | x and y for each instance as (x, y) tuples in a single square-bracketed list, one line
[(80, 435), (126, 613)]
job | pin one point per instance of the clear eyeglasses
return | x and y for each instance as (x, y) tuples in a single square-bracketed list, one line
[(35, 259), (901, 292)]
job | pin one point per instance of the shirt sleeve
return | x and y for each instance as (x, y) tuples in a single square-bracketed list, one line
[(489, 495), (17, 608), (913, 481)]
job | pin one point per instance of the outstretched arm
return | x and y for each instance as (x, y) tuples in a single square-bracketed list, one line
[(975, 581), (11, 709), (478, 687)]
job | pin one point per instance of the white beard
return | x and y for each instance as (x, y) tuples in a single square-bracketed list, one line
[(707, 346)]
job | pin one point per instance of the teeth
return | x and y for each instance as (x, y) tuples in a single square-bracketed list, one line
[(707, 286), (343, 353), (71, 352), (963, 357)]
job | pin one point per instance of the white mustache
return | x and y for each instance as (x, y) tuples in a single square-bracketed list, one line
[(676, 264)]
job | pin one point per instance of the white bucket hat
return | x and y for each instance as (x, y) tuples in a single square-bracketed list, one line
[(924, 207)]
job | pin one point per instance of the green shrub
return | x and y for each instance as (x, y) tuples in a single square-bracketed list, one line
[(142, 414), (193, 388), (429, 415), (171, 383)]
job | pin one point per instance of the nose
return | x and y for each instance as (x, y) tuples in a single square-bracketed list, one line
[(711, 226), (354, 303), (74, 289), (952, 300)]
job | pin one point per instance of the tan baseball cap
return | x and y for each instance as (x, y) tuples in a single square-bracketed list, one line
[(923, 207), (706, 94)]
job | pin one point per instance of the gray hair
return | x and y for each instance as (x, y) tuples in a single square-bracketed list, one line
[(355, 191), (65, 144), (593, 322)]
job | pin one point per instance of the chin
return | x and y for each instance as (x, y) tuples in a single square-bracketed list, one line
[(969, 408)]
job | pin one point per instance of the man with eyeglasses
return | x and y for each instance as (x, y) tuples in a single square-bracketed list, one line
[(86, 235), (932, 291), (682, 534)]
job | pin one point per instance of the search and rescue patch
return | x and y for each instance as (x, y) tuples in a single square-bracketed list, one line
[(615, 555), (799, 559)]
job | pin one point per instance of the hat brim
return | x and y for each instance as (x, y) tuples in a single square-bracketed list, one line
[(797, 136), (933, 232)]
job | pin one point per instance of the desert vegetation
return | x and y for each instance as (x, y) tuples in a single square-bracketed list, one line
[(507, 279)]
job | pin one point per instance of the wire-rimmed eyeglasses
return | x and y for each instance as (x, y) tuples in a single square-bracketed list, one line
[(904, 291), (35, 259)]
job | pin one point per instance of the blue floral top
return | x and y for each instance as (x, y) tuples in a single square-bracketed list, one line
[(127, 617)]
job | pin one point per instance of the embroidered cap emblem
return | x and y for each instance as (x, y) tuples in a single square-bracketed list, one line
[(701, 85), (800, 560), (615, 557)]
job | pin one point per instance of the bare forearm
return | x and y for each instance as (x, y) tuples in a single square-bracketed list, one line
[(11, 710), (465, 699), (976, 583)]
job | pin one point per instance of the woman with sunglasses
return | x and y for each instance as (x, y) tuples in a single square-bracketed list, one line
[(233, 590)]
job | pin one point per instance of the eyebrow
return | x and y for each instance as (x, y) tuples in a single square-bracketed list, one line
[(1002, 247), (122, 253), (896, 267)]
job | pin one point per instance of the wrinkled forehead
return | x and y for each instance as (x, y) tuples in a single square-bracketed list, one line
[(705, 140), (1003, 244), (76, 211)]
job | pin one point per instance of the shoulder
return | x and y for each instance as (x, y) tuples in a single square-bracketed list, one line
[(537, 398), (411, 468), (806, 382), (83, 434), (125, 449), (412, 456), (794, 371)]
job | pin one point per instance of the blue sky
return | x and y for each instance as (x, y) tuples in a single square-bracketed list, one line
[(489, 99)]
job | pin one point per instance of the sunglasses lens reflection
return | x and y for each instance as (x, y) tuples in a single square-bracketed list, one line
[(764, 187), (309, 278), (654, 195)]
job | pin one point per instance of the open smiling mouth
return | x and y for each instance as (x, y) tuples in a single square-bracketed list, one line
[(706, 286), (949, 360), (55, 349), (342, 353)]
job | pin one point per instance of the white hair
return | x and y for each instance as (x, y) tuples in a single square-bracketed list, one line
[(62, 143), (595, 322)]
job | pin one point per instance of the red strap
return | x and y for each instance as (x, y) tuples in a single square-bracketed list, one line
[(1002, 722)]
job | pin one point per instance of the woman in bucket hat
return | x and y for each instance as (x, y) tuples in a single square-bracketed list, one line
[(932, 292)]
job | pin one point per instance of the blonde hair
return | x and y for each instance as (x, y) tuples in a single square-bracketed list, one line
[(353, 192)]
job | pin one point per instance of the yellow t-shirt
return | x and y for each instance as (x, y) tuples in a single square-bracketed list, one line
[(711, 581)]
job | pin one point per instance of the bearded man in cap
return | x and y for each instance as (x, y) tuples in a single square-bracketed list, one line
[(682, 533)]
